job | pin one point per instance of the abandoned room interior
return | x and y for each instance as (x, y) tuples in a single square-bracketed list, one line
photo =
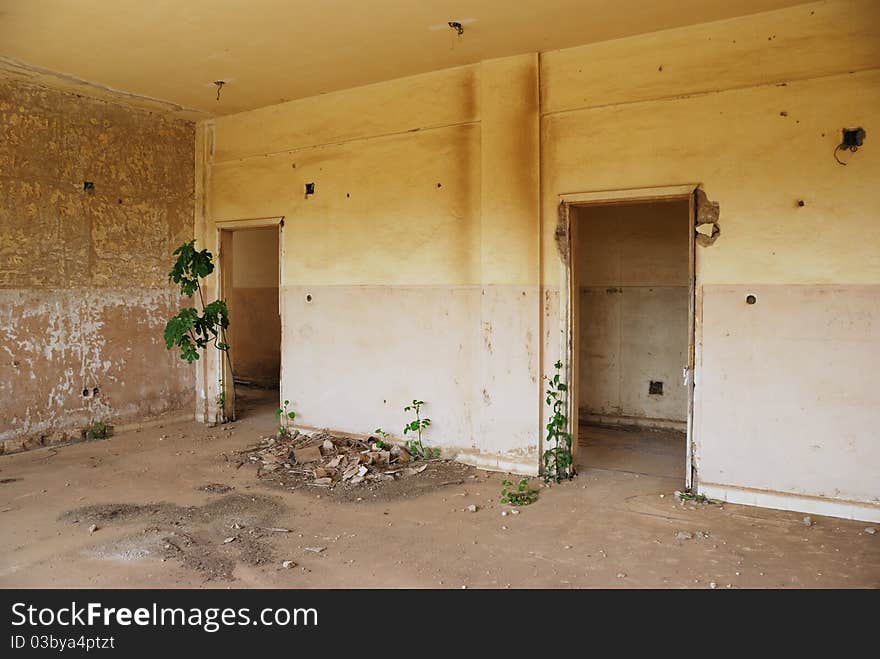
[(476, 298)]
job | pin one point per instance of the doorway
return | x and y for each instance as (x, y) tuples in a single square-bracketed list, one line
[(631, 299), (249, 279)]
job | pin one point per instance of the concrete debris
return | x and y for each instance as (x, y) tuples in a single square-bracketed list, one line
[(93, 528), (325, 460), (870, 530), (315, 550), (472, 508), (808, 521), (288, 564), (683, 535), (306, 454)]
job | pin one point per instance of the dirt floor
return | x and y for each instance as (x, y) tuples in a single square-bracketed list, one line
[(169, 507)]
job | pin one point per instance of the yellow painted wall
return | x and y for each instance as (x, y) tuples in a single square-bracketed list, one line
[(752, 108), (396, 168), (436, 201)]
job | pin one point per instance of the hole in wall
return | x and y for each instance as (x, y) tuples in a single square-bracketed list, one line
[(310, 189), (309, 297), (95, 391), (85, 393), (751, 299), (89, 187), (655, 387)]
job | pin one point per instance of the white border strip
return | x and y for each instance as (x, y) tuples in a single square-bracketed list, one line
[(865, 512)]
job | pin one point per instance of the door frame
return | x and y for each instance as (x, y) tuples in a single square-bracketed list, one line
[(569, 298), (230, 226)]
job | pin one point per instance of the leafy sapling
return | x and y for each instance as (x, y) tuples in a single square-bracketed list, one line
[(285, 418), (415, 446), (557, 458), (189, 330), (521, 495)]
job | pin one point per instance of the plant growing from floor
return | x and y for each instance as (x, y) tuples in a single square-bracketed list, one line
[(383, 442), (97, 430), (417, 425), (557, 458), (696, 498), (521, 495), (189, 330), (285, 418)]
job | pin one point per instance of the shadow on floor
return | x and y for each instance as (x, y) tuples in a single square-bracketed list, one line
[(649, 452), (252, 400)]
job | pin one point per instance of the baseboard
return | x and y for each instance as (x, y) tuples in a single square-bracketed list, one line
[(856, 510), (499, 463)]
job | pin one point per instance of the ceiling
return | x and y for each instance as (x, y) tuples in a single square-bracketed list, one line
[(270, 51)]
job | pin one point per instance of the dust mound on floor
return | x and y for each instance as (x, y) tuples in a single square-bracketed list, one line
[(348, 468), (210, 539)]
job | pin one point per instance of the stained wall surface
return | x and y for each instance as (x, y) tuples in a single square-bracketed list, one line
[(430, 252), (631, 262), (752, 109), (83, 274)]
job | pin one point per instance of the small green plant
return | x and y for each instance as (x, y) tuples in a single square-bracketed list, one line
[(285, 418), (97, 430), (696, 498), (557, 458), (522, 495), (189, 330), (417, 425), (383, 442)]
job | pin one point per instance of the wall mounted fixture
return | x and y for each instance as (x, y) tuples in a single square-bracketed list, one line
[(853, 138)]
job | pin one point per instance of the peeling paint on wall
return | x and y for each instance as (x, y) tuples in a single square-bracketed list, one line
[(707, 214), (94, 197)]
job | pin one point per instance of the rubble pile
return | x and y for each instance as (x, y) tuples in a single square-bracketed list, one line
[(325, 460)]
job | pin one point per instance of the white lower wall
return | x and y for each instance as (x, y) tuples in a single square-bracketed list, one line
[(355, 356), (787, 397)]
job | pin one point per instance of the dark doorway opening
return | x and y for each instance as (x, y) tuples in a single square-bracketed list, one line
[(251, 289), (632, 276)]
